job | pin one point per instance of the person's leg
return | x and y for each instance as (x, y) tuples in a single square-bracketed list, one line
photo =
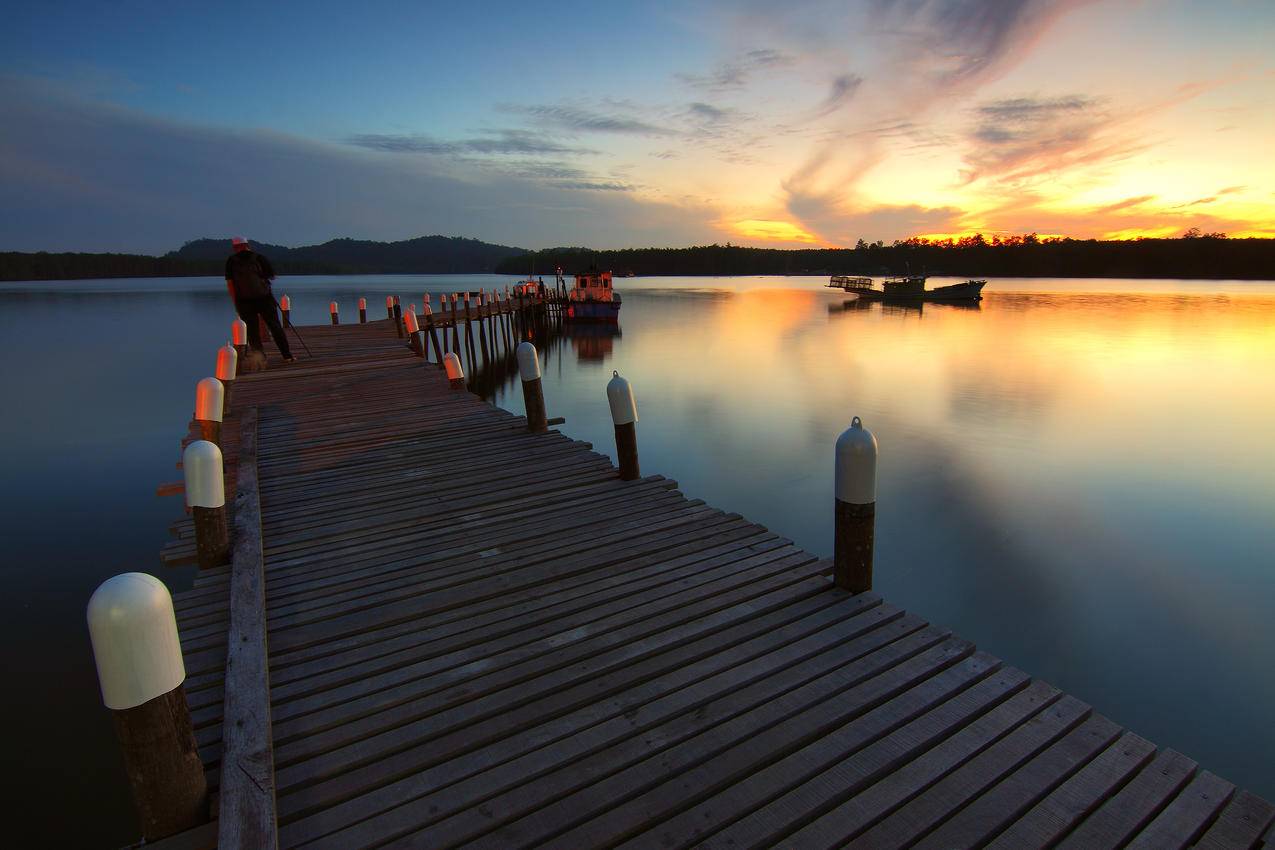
[(270, 316), (249, 313)]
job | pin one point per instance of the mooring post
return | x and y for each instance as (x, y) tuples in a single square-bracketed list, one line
[(335, 311), (455, 374), (227, 367), (210, 401), (389, 306), (433, 333), (362, 311), (856, 508), (133, 631), (414, 336), (455, 325), (482, 332), (239, 336), (285, 306), (206, 497), (533, 394), (624, 416), (398, 317)]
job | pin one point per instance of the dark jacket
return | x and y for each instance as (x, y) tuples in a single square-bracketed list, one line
[(251, 273)]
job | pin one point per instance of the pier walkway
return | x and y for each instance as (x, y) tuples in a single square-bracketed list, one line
[(449, 631)]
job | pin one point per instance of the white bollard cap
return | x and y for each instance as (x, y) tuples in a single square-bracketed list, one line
[(427, 309), (285, 303), (620, 397), (425, 299), (452, 364), (528, 362), (227, 363), (135, 644), (332, 307), (389, 300), (362, 303), (856, 470), (239, 332), (409, 319), (210, 398), (204, 472)]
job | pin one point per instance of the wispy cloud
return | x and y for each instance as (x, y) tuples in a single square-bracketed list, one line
[(842, 91), (585, 120), (734, 74), (494, 142)]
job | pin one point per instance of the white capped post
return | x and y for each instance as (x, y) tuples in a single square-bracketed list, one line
[(285, 306), (210, 401), (239, 336), (334, 309), (856, 507), (227, 368), (624, 417), (140, 668), (455, 374), (414, 336), (362, 311), (533, 395), (204, 471), (389, 306), (428, 313)]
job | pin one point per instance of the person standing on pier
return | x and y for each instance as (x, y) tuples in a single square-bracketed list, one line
[(248, 276)]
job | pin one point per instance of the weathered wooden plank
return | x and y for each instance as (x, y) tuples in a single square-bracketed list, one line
[(1133, 806), (1186, 817), (1240, 824), (247, 800)]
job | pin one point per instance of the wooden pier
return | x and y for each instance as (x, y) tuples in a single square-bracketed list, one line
[(439, 630)]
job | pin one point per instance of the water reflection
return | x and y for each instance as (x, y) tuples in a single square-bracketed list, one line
[(1076, 474)]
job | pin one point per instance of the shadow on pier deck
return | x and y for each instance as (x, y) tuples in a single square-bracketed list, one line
[(479, 636)]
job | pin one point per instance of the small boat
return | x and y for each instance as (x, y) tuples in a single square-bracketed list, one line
[(592, 299), (912, 288), (849, 284)]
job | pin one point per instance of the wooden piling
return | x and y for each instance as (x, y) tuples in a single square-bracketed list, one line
[(854, 517)]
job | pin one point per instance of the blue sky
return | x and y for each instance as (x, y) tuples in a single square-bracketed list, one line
[(137, 126)]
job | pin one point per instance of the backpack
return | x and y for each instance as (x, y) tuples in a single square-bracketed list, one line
[(249, 280)]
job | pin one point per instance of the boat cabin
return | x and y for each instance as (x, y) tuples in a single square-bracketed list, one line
[(592, 286)]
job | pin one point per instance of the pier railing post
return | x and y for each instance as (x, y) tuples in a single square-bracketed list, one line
[(414, 336), (455, 374), (204, 472), (227, 369), (389, 306), (285, 305), (624, 416), (533, 394), (856, 508), (335, 311), (362, 311), (139, 665), (239, 336), (398, 317), (210, 402), (433, 332)]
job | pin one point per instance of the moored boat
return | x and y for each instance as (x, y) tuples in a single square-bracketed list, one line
[(912, 288), (593, 299)]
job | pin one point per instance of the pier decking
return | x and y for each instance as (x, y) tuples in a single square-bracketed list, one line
[(474, 635)]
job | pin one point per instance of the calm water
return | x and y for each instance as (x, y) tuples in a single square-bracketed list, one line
[(1079, 476)]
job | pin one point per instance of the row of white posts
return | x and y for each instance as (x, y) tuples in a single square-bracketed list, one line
[(133, 627)]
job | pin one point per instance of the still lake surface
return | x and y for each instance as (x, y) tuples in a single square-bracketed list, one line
[(1079, 475)]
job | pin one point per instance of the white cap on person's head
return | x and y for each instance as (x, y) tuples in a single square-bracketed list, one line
[(237, 242)]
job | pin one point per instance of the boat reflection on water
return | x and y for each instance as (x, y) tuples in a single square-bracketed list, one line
[(592, 343), (900, 308)]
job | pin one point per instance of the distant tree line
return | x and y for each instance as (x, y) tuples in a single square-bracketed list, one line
[(1194, 255)]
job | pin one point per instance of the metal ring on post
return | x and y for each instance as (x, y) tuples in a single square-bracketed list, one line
[(855, 507)]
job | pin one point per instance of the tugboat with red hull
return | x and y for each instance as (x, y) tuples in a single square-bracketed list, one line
[(592, 299)]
